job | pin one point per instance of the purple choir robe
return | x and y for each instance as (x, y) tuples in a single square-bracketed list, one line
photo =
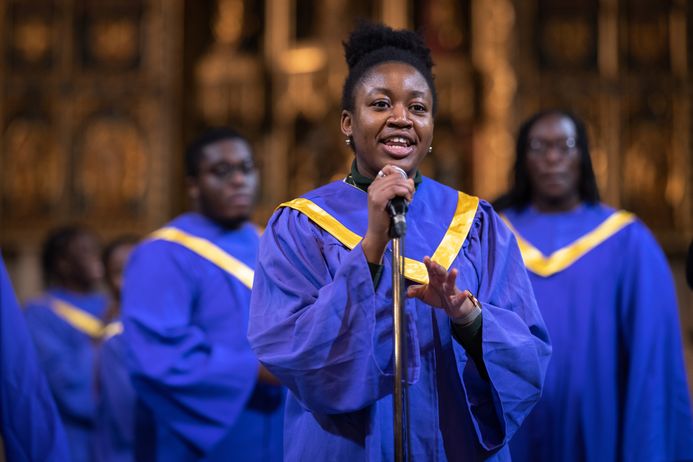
[(30, 425), (66, 353), (185, 323), (114, 434), (616, 387), (319, 324)]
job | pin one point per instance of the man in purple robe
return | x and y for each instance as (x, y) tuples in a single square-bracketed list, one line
[(203, 395)]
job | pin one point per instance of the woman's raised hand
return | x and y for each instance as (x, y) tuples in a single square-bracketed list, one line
[(442, 292), (388, 184)]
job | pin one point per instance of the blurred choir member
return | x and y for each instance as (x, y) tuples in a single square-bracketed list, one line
[(616, 386), (115, 419), (30, 427), (65, 324), (185, 314), (321, 310)]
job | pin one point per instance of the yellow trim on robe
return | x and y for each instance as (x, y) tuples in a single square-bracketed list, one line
[(414, 270), (562, 258), (208, 250), (77, 318), (112, 329), (457, 232)]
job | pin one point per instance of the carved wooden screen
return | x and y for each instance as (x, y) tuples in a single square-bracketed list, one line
[(98, 96), (624, 66), (87, 125), (88, 101)]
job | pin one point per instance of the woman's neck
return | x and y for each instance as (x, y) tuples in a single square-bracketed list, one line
[(549, 205)]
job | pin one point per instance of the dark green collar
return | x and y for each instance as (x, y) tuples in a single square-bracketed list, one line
[(363, 182)]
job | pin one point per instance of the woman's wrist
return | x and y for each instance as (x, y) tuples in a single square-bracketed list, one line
[(472, 309), (373, 249)]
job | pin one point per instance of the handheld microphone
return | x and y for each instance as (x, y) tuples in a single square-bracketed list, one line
[(397, 209)]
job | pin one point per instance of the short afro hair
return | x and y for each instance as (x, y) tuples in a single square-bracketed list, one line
[(55, 247), (372, 44), (193, 152)]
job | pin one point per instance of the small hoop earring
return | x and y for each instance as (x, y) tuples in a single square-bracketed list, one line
[(348, 141), (430, 149)]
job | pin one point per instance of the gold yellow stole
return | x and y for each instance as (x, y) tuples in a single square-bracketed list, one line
[(562, 258), (209, 251), (77, 318), (112, 329), (414, 270)]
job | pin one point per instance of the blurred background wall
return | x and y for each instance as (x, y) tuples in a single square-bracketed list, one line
[(98, 98)]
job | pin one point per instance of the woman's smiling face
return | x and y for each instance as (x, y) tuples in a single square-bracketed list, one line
[(392, 120)]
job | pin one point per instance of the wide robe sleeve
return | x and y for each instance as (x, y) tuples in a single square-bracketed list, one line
[(30, 425), (194, 385), (657, 422), (67, 358), (115, 420), (515, 342), (315, 319)]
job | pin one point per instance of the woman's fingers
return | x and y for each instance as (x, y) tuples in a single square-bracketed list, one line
[(391, 186), (450, 279), (385, 186), (458, 299), (436, 273), (416, 290)]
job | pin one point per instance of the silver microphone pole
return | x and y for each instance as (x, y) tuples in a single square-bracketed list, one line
[(399, 396)]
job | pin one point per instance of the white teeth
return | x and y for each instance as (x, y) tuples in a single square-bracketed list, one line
[(399, 140)]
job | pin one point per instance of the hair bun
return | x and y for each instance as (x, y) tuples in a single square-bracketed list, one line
[(368, 37)]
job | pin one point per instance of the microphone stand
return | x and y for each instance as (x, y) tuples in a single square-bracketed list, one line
[(400, 398)]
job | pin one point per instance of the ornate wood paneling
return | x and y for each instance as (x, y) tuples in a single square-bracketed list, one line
[(624, 67), (305, 147), (94, 115), (88, 95), (85, 106), (446, 26), (493, 28), (566, 34)]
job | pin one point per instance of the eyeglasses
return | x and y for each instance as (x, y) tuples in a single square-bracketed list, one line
[(539, 146), (225, 171)]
